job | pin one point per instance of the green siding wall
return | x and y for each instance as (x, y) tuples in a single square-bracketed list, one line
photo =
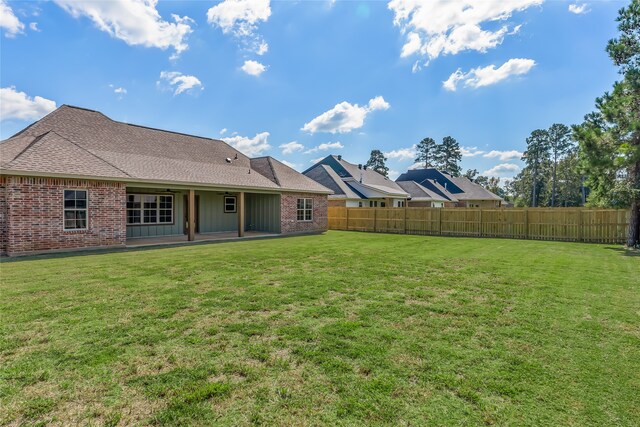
[(212, 216), (159, 230), (262, 212)]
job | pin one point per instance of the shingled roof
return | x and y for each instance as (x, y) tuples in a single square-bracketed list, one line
[(451, 187), (73, 141), (355, 176), (419, 193)]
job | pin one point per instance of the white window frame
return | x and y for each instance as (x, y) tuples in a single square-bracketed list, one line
[(158, 209), (86, 210), (307, 206), (235, 204)]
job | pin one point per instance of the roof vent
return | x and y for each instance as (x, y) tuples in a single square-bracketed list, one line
[(339, 157), (228, 160), (359, 165)]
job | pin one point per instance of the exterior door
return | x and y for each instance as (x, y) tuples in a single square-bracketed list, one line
[(185, 220)]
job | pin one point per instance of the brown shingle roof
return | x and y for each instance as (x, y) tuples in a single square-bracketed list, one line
[(77, 141)]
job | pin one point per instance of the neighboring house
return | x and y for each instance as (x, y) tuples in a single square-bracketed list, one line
[(77, 179), (421, 196), (355, 185), (458, 191)]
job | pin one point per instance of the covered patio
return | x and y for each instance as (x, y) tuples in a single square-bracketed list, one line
[(176, 215)]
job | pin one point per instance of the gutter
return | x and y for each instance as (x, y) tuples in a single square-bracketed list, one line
[(175, 184)]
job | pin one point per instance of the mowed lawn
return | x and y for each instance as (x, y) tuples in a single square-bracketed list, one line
[(336, 329)]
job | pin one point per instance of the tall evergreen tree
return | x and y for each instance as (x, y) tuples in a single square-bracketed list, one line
[(377, 162), (471, 174), (536, 155), (448, 156), (426, 150), (610, 137), (559, 145)]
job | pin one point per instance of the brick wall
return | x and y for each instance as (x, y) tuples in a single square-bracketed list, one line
[(4, 217), (289, 213), (34, 214)]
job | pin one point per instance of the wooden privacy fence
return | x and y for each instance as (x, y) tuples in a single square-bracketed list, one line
[(566, 224)]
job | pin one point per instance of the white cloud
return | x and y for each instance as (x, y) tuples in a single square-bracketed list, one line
[(34, 26), (402, 153), (17, 105), (485, 76), (504, 155), (440, 27), (223, 131), (470, 151), (416, 165), (325, 146), (136, 22), (240, 18), (9, 21), (393, 174), (344, 117), (291, 147), (579, 9), (314, 161), (179, 82), (502, 170), (250, 146), (120, 91), (291, 165), (253, 68)]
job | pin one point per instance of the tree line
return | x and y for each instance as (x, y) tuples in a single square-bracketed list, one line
[(445, 156), (595, 163)]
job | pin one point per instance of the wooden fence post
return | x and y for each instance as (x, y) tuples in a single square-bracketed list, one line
[(526, 223), (580, 225), (347, 225), (405, 217), (375, 216), (480, 223), (440, 221)]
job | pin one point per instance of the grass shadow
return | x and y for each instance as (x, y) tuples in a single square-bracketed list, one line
[(624, 251)]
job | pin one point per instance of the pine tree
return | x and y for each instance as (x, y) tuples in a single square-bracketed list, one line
[(448, 156), (426, 150), (536, 155), (377, 162), (559, 145)]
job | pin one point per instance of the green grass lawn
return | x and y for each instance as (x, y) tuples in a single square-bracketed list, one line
[(337, 329)]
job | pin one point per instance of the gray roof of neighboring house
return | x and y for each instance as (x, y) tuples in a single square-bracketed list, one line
[(472, 191), (452, 187), (420, 193), (370, 178), (330, 179), (74, 141)]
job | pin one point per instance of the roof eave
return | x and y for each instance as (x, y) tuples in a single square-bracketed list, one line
[(186, 185)]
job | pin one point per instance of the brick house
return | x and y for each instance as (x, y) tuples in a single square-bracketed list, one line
[(431, 187), (356, 186), (77, 179)]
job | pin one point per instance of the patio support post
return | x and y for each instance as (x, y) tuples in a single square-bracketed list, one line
[(241, 214), (192, 216)]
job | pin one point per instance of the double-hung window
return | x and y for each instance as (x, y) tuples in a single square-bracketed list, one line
[(75, 209), (149, 209), (230, 204), (305, 209)]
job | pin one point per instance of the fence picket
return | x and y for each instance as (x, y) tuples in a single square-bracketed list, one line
[(566, 224)]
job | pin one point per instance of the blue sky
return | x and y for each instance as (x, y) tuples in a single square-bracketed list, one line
[(300, 80)]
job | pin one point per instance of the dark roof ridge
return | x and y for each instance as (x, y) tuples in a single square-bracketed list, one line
[(36, 139), (143, 126), (88, 151), (273, 171)]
